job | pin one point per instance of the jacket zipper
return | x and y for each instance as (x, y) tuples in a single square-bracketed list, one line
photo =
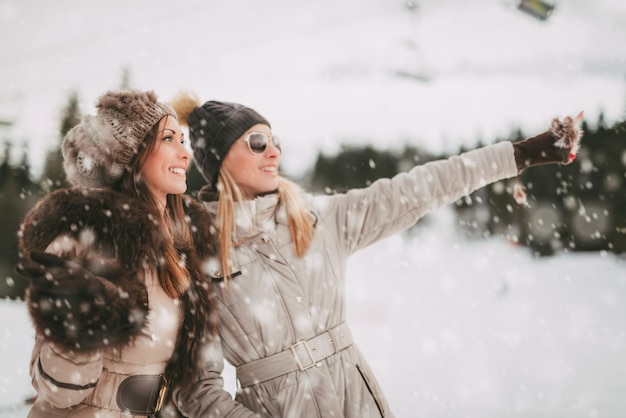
[(253, 214)]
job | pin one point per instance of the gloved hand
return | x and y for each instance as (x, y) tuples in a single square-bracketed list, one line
[(77, 305), (557, 145)]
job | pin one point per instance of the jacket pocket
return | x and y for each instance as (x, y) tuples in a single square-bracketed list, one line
[(371, 390)]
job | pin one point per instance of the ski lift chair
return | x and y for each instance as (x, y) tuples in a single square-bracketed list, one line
[(539, 9)]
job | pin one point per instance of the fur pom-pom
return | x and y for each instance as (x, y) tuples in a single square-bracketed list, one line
[(184, 103), (567, 134)]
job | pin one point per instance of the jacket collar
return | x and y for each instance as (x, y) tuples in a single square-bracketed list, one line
[(255, 216)]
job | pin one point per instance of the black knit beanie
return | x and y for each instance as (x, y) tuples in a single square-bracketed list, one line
[(213, 128)]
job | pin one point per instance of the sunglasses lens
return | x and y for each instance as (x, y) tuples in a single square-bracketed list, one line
[(276, 142), (257, 143)]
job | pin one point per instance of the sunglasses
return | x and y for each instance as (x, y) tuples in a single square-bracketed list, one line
[(257, 142)]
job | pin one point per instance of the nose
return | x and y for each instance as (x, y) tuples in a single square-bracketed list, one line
[(184, 152), (272, 151)]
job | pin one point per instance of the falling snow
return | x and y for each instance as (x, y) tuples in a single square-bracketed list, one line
[(458, 328)]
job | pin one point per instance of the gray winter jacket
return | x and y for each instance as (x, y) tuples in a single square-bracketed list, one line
[(276, 299)]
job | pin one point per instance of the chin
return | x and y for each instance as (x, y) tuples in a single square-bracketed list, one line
[(267, 191), (180, 190)]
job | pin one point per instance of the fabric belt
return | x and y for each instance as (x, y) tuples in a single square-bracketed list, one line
[(142, 394), (300, 356)]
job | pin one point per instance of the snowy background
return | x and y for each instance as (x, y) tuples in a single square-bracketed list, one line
[(452, 328), (322, 71), (456, 328)]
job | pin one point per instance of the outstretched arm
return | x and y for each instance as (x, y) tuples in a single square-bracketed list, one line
[(389, 205)]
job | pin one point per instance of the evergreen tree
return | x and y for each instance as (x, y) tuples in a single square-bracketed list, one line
[(5, 167), (22, 173), (53, 173), (15, 199), (353, 167), (125, 83)]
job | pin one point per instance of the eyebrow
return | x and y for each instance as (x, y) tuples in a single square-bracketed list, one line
[(168, 129)]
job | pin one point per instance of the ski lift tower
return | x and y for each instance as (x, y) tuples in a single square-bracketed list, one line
[(5, 126), (414, 66)]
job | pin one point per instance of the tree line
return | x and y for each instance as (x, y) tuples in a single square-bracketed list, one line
[(578, 207)]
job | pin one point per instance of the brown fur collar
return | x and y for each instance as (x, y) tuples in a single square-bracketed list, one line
[(119, 227)]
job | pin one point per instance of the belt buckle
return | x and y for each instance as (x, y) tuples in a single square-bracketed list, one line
[(142, 394), (160, 402), (308, 351)]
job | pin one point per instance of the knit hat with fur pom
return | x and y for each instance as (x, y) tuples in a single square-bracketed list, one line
[(213, 129), (98, 150)]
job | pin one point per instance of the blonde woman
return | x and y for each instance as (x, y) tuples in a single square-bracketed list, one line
[(280, 271)]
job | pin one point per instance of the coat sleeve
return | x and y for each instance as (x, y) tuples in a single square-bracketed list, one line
[(207, 397), (61, 378), (366, 215), (65, 373)]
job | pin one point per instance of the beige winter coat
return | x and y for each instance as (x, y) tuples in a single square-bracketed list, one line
[(277, 299), (107, 368), (77, 367)]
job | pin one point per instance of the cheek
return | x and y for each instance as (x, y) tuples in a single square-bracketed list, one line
[(147, 170), (243, 175), (231, 167), (238, 164)]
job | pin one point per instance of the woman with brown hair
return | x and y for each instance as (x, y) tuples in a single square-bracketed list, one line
[(122, 311)]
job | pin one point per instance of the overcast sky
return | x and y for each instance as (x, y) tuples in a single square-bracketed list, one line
[(321, 71)]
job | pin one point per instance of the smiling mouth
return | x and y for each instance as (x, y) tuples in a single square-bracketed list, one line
[(177, 170), (269, 169)]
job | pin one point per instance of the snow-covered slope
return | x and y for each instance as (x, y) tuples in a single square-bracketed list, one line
[(457, 328)]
